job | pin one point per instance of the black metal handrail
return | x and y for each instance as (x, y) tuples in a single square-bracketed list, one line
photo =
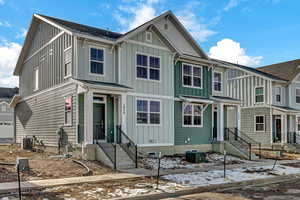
[(293, 138), (127, 145), (235, 140), (253, 142), (110, 151)]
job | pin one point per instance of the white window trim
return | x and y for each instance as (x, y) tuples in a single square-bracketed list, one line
[(182, 76), (182, 117), (70, 124), (280, 88), (217, 72), (148, 33), (264, 95), (148, 67), (36, 72), (297, 130), (68, 76), (296, 95), (104, 60), (148, 112), (264, 130)]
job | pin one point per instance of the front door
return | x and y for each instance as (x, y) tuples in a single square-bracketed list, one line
[(99, 122), (215, 125), (277, 129)]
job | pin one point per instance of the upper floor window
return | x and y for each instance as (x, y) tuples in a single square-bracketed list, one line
[(278, 94), (298, 123), (68, 111), (259, 123), (68, 62), (148, 112), (192, 115), (148, 36), (217, 81), (97, 61), (3, 108), (297, 95), (36, 79), (259, 94), (192, 76), (148, 67)]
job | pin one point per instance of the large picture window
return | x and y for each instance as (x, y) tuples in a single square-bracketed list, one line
[(259, 95), (192, 115), (68, 111), (148, 112), (259, 123), (192, 76), (298, 95), (68, 62), (217, 81), (148, 67), (97, 61)]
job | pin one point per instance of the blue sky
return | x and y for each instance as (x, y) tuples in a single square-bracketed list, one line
[(250, 32)]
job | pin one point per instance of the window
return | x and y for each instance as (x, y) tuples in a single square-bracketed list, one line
[(298, 95), (148, 112), (298, 123), (217, 81), (3, 108), (148, 67), (192, 76), (36, 79), (259, 95), (68, 111), (68, 62), (97, 61), (192, 114), (259, 123), (148, 36), (278, 94)]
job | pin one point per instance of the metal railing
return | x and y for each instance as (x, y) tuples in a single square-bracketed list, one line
[(110, 151), (99, 132), (254, 143), (241, 144), (127, 145), (293, 138)]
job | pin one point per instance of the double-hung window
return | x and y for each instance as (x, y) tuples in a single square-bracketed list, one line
[(68, 62), (68, 111), (259, 95), (36, 79), (298, 95), (298, 123), (278, 94), (217, 81), (148, 112), (97, 61), (192, 76), (259, 123), (192, 115), (148, 67)]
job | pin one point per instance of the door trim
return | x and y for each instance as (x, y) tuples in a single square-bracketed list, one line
[(105, 112)]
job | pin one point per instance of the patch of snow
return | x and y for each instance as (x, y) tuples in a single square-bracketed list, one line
[(168, 163), (197, 179)]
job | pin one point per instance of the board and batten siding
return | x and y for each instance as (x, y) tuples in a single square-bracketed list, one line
[(49, 60), (83, 62), (47, 115), (292, 94), (151, 134), (223, 71), (243, 87), (284, 98), (206, 90)]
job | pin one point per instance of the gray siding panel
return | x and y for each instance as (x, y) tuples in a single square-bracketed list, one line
[(46, 114)]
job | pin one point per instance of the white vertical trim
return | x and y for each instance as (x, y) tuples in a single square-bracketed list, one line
[(220, 118), (238, 115), (123, 109), (284, 127), (88, 117)]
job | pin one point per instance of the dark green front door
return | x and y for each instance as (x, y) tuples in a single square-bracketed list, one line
[(99, 122)]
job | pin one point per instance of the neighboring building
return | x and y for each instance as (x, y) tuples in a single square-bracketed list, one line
[(6, 113)]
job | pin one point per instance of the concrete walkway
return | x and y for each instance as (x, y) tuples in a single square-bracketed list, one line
[(13, 186)]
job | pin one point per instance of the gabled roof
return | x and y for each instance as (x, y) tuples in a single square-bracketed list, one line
[(8, 93), (84, 29), (285, 70), (250, 69), (104, 84)]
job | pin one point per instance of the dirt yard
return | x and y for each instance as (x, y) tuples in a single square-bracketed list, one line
[(42, 166), (271, 154)]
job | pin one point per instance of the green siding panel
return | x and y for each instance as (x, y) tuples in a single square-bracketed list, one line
[(196, 135), (206, 90)]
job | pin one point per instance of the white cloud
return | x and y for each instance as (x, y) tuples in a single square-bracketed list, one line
[(231, 51), (1, 2), (231, 4), (22, 33), (5, 23), (197, 29), (9, 52)]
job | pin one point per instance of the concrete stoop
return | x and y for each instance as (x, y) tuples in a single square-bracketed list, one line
[(232, 150), (292, 148)]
